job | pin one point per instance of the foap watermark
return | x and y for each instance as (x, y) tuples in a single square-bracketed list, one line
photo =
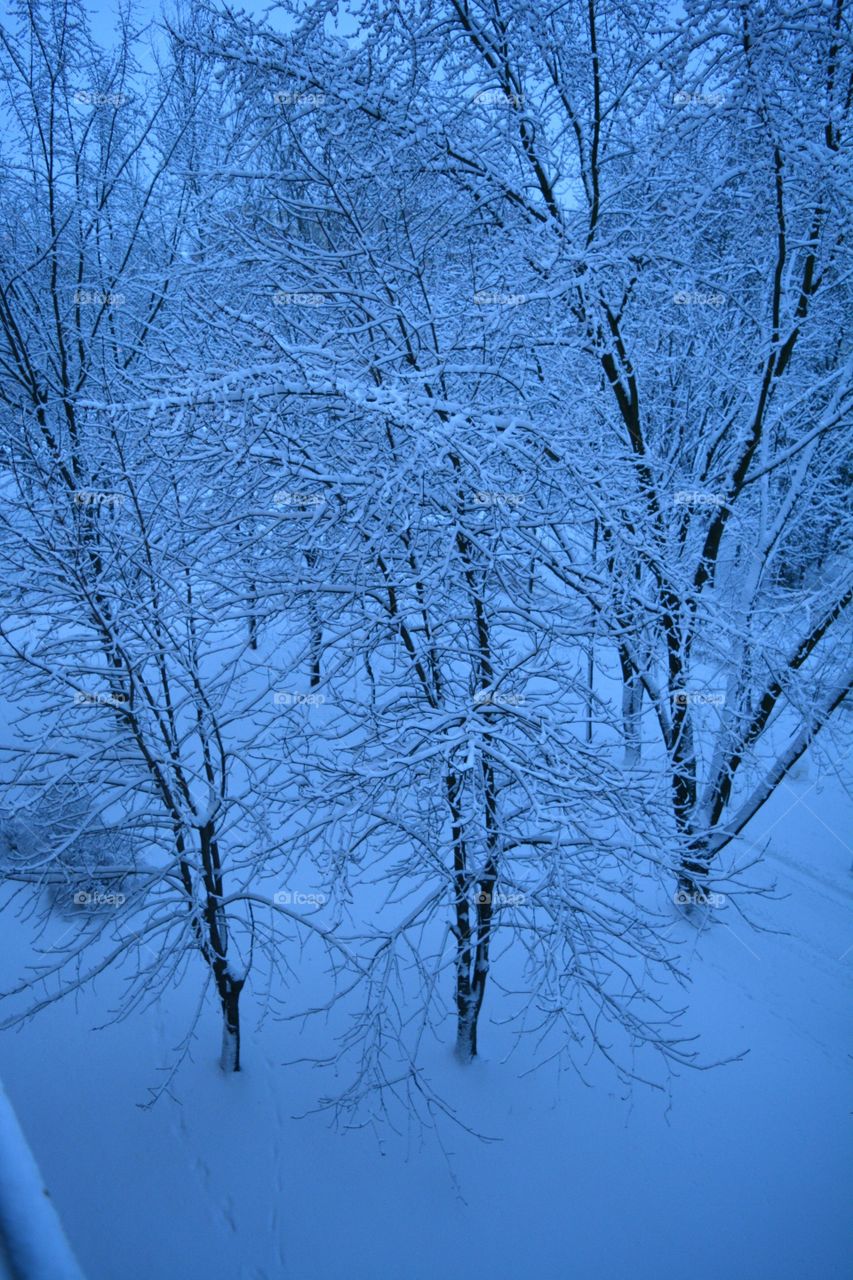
[(92, 98), (498, 899), (284, 698), (98, 298), (285, 298), (95, 898), (685, 99), (296, 898), (294, 498), (83, 699), (299, 98), (684, 698), (486, 498), (698, 498), (485, 299), (494, 698), (98, 498), (695, 298), (698, 898), (498, 98)]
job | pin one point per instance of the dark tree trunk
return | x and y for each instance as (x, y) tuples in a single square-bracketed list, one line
[(471, 987), (632, 705), (316, 648), (253, 617), (590, 653), (466, 1027), (472, 962), (466, 1012), (315, 626), (229, 995)]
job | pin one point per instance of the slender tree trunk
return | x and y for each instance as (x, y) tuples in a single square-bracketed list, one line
[(632, 706), (316, 647), (693, 871), (471, 986), (466, 1020), (315, 627), (466, 1034), (229, 994), (466, 1027), (253, 617), (590, 653), (472, 968)]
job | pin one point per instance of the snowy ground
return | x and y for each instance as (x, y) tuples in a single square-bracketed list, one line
[(744, 1173)]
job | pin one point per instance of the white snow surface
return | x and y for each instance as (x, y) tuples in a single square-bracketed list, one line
[(741, 1173)]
